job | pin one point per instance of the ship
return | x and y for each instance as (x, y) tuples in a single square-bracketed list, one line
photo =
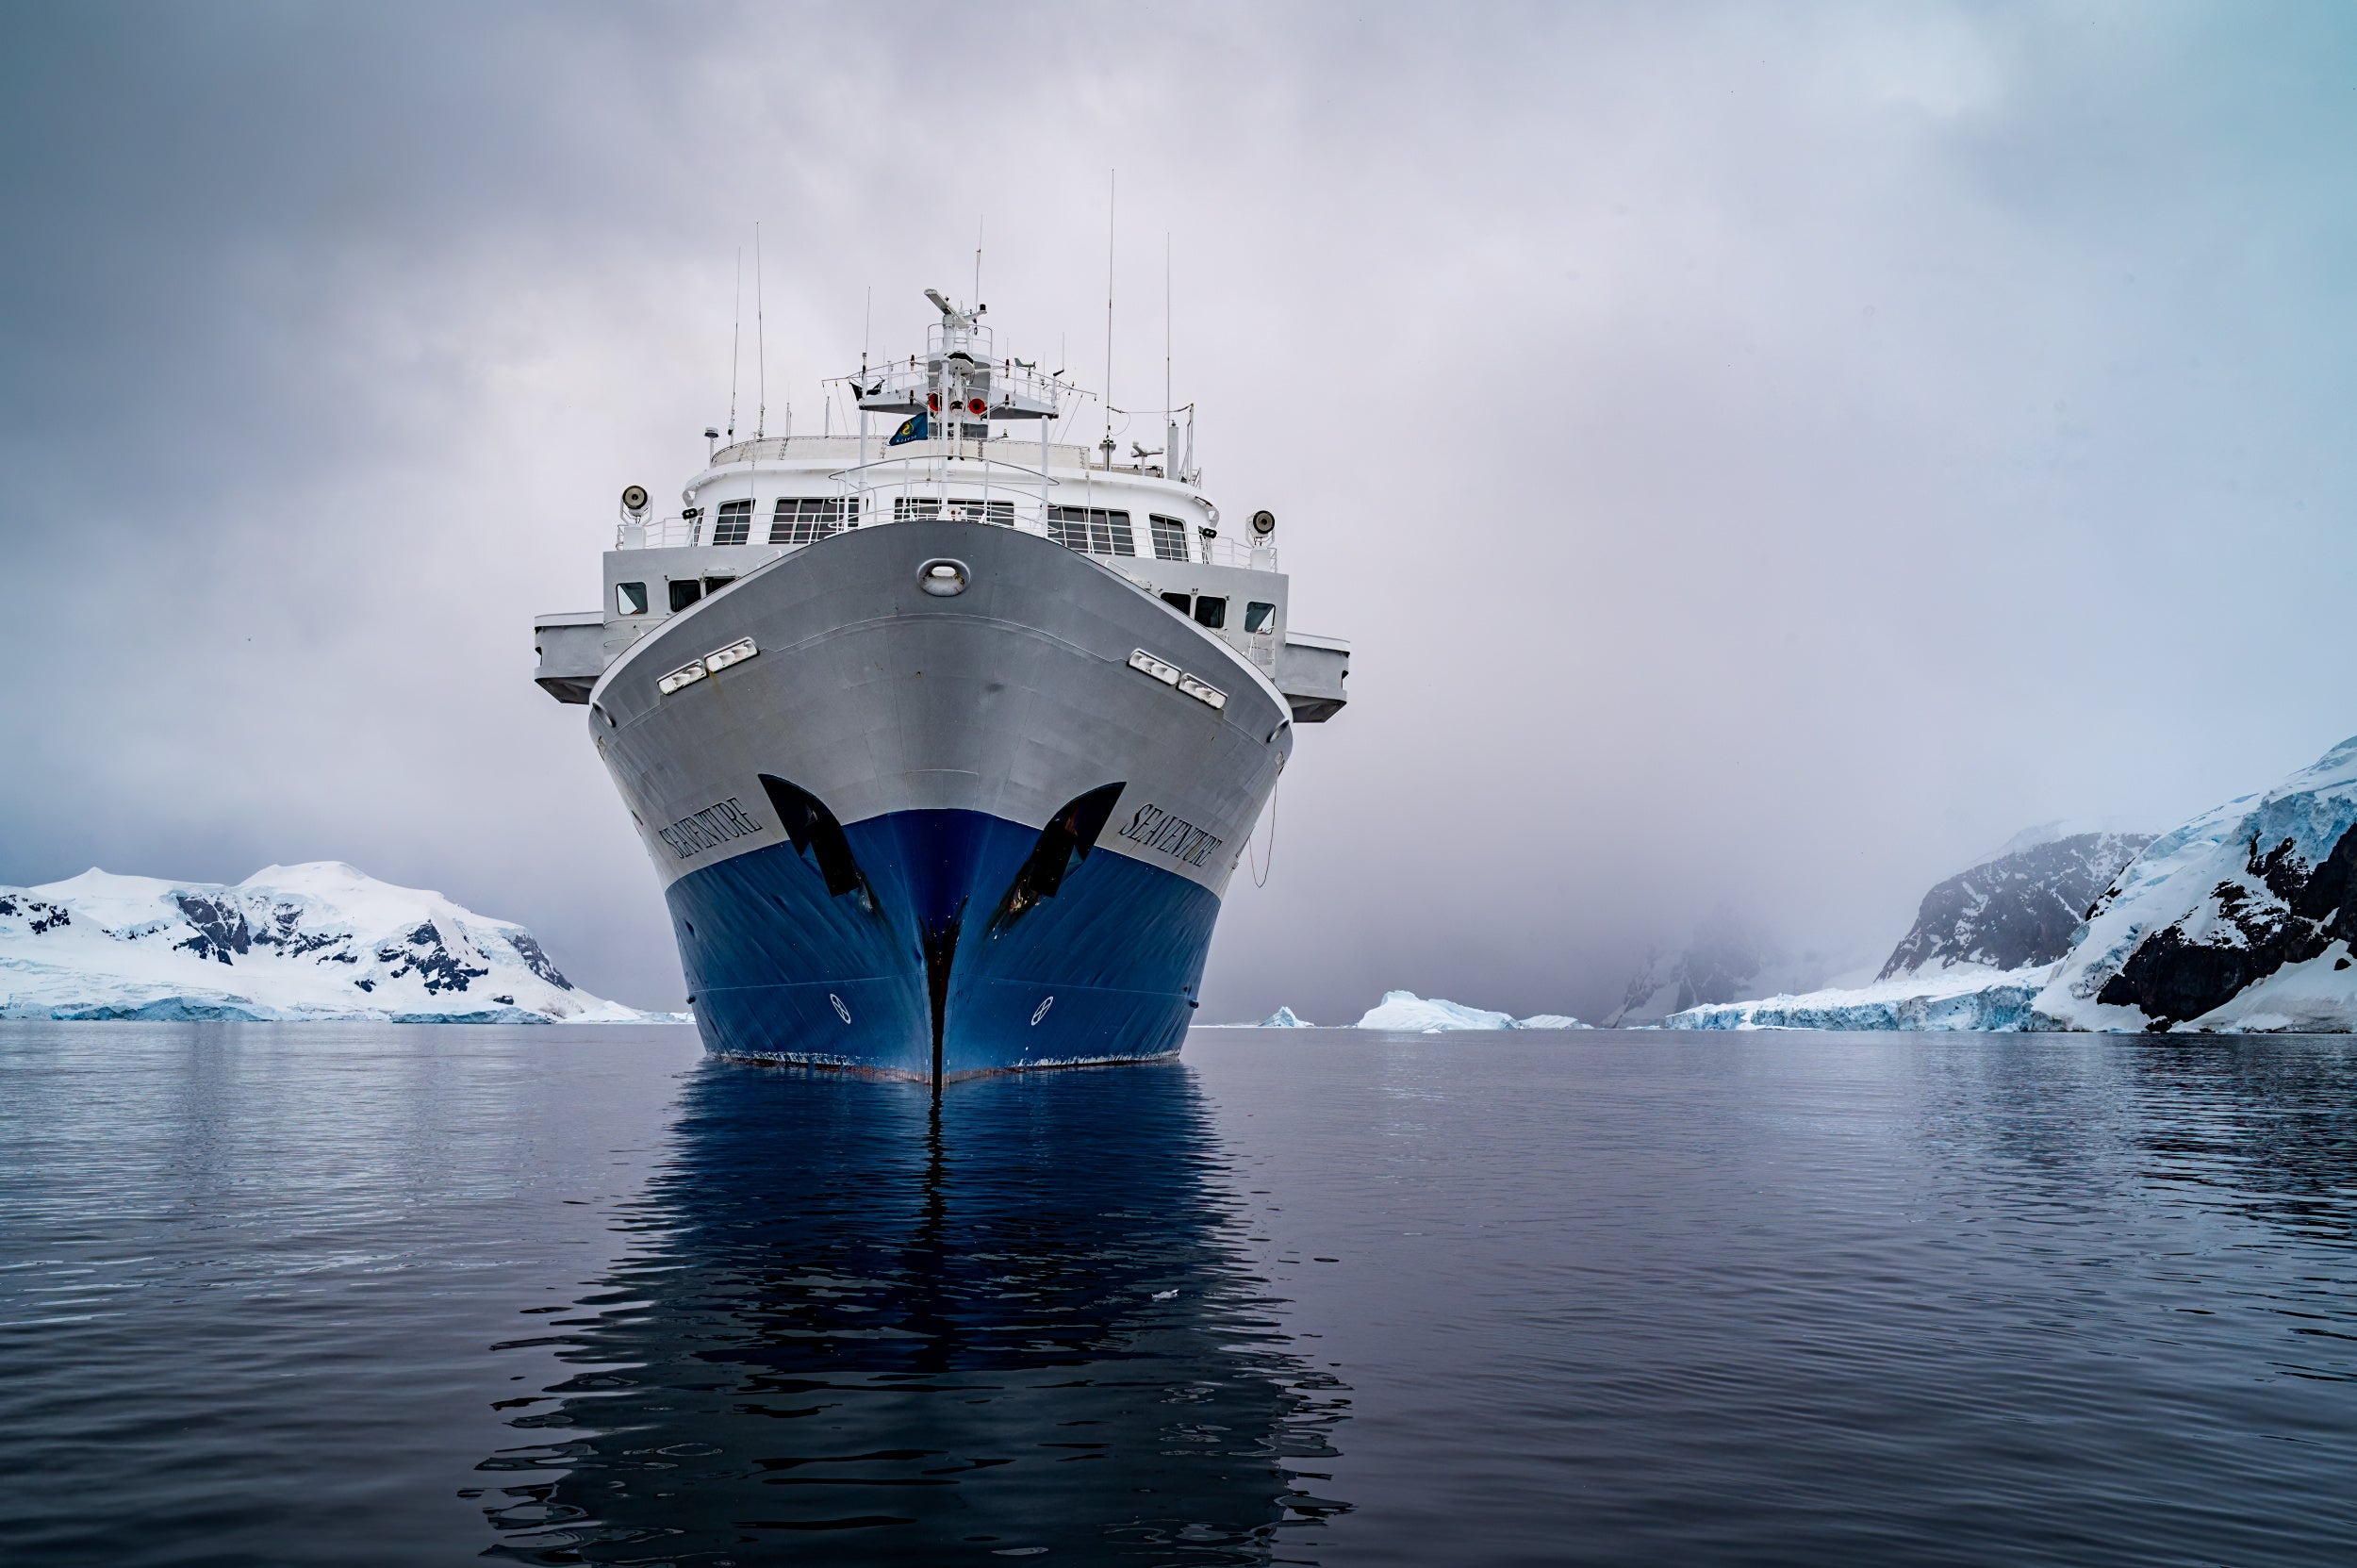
[(945, 736)]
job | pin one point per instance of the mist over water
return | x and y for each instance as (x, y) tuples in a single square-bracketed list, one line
[(283, 1295)]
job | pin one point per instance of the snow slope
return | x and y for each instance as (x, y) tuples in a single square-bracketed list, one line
[(317, 941), (1406, 1012), (2241, 921)]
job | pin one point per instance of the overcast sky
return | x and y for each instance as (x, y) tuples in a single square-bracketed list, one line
[(1764, 455)]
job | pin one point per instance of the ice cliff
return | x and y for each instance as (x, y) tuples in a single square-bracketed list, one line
[(318, 941), (2242, 920)]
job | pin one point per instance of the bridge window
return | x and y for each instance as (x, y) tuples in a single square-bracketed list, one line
[(714, 584), (1092, 529), (629, 598), (1209, 611), (1258, 616), (684, 591), (1170, 539), (1183, 602), (805, 518), (735, 525)]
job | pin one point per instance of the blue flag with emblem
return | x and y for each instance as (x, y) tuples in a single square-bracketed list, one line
[(916, 429)]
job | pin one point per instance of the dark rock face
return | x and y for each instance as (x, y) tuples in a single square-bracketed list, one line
[(39, 914), (2017, 910), (537, 960), (428, 956), (221, 928), (2286, 912)]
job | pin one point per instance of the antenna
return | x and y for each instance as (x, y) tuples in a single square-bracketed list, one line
[(1108, 443), (1170, 418), (761, 341), (978, 263), (736, 332)]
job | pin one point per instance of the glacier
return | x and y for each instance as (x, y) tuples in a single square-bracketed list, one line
[(1962, 997), (316, 942)]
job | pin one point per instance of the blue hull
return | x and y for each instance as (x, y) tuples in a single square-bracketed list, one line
[(936, 967)]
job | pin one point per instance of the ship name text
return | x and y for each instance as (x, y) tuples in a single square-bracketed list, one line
[(713, 826), (1173, 836)]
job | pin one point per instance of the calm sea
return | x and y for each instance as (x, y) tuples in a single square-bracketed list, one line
[(405, 1295)]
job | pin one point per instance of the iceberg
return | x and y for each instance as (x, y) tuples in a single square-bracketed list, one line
[(1404, 1011), (1284, 1017), (316, 942)]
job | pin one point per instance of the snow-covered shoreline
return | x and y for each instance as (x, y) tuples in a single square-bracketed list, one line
[(315, 943)]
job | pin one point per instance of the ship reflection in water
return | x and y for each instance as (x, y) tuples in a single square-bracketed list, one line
[(862, 1323)]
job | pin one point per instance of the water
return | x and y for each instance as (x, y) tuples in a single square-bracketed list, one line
[(353, 1295)]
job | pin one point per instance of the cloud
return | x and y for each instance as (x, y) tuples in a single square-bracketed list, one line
[(1761, 458)]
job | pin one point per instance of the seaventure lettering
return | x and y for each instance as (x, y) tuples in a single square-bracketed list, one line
[(1174, 836), (711, 827)]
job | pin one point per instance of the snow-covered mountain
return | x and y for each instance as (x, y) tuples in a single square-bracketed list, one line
[(2243, 920), (318, 941), (1726, 958), (2016, 910)]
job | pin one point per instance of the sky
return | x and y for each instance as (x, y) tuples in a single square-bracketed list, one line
[(1764, 455)]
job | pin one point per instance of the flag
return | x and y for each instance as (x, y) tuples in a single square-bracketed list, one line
[(916, 429)]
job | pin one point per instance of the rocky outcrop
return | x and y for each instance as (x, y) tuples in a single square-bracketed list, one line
[(2017, 911), (2242, 919)]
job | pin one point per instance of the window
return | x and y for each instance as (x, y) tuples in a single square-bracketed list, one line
[(806, 519), (629, 598), (684, 591), (735, 525), (1170, 539), (1000, 512), (714, 584), (1183, 602), (1211, 612), (975, 432), (918, 508), (1093, 529), (1258, 616)]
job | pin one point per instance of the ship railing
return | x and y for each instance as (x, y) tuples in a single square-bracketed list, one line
[(1226, 551), (1010, 391), (661, 532)]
